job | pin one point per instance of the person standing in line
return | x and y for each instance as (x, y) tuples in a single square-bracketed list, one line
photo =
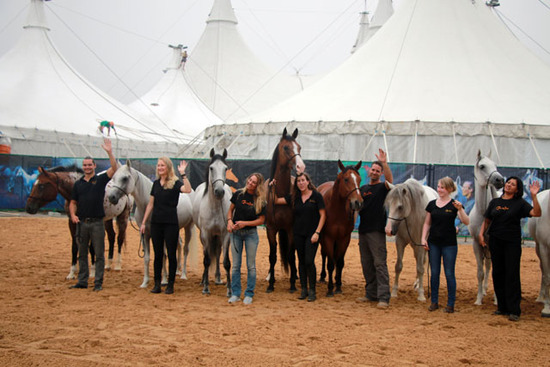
[(372, 236), (439, 238), (503, 224), (86, 211), (163, 204), (309, 218), (246, 212), (467, 200)]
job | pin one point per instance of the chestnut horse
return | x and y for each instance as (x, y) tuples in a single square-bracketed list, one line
[(342, 200), (278, 218), (60, 180)]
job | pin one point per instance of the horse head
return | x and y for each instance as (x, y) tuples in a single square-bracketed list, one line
[(287, 154), (123, 183), (216, 173), (399, 203), (42, 193), (486, 172), (348, 183)]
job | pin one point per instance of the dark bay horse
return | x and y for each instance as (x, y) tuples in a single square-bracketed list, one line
[(60, 180), (279, 218), (342, 200)]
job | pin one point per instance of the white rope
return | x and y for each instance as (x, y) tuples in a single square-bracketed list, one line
[(370, 141), (415, 141), (386, 144), (494, 141)]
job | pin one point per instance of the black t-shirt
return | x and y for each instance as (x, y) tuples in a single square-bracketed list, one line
[(373, 214), (442, 229), (89, 195), (306, 215), (244, 207), (166, 202), (505, 216)]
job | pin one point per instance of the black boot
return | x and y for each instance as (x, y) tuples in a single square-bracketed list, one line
[(169, 288), (311, 295), (156, 288), (303, 295)]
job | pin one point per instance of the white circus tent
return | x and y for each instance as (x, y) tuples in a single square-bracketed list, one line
[(173, 101), (227, 76), (368, 28), (440, 80), (47, 108)]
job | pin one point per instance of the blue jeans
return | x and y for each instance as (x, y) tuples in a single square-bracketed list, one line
[(448, 253), (247, 239)]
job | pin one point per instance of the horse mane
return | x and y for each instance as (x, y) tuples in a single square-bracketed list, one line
[(214, 158), (71, 168)]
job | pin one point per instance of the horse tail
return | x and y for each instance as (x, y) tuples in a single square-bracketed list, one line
[(284, 249)]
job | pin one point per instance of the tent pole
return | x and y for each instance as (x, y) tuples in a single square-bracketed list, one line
[(69, 148), (454, 141), (386, 144), (494, 142), (536, 151), (415, 141)]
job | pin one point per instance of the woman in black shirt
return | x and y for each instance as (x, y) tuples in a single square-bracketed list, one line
[(309, 219), (163, 203), (502, 218), (439, 237)]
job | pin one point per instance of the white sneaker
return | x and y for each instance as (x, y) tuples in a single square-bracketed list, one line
[(247, 300), (234, 299)]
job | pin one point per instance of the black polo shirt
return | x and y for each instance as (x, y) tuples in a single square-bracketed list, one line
[(89, 195), (244, 207), (306, 214), (505, 216), (442, 229), (373, 212), (166, 202)]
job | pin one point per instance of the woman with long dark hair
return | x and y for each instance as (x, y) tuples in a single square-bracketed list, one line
[(502, 222)]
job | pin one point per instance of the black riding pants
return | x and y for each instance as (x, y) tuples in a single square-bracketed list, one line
[(306, 260)]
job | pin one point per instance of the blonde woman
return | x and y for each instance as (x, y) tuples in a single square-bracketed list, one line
[(246, 212), (439, 237), (163, 204)]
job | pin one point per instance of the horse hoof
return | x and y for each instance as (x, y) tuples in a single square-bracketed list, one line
[(323, 281), (330, 294), (183, 276), (206, 292), (338, 291), (292, 290), (269, 290), (219, 282), (545, 315)]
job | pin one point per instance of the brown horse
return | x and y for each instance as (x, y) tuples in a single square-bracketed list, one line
[(278, 218), (342, 200), (60, 180)]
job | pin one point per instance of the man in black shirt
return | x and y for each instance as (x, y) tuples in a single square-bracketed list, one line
[(372, 237), (86, 210)]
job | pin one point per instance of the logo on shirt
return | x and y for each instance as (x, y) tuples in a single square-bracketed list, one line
[(502, 208), (244, 202)]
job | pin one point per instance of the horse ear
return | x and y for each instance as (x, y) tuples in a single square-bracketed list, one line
[(478, 154), (358, 165), (295, 133), (128, 163), (489, 154), (390, 185), (284, 132), (41, 170), (224, 153), (212, 152), (341, 166)]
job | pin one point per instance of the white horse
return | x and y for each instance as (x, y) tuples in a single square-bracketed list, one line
[(487, 180), (210, 206), (539, 228), (129, 181), (406, 202)]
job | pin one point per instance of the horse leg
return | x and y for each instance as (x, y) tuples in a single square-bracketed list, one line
[(146, 259), (330, 269), (111, 237), (74, 251), (545, 282), (293, 269), (122, 225), (272, 239), (227, 265), (323, 275), (338, 275), (179, 269), (481, 278), (420, 256), (398, 265), (540, 298), (206, 263), (92, 256), (218, 276)]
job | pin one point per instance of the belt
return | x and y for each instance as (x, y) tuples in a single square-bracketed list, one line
[(90, 220)]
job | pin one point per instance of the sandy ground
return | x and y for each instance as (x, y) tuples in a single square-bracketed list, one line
[(43, 323)]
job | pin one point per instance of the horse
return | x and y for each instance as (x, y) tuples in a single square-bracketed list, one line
[(129, 181), (487, 180), (210, 207), (342, 200), (279, 218), (406, 202), (539, 228)]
